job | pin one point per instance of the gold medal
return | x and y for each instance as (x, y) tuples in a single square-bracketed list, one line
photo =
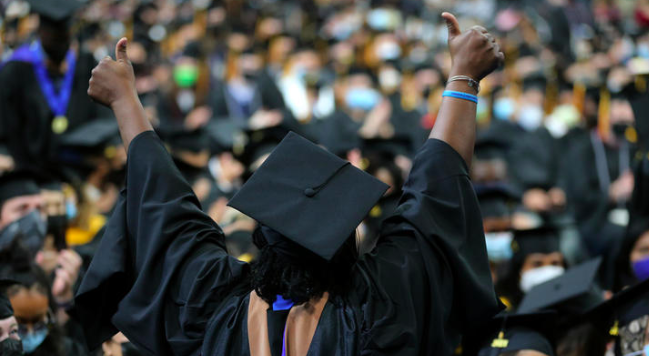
[(59, 124)]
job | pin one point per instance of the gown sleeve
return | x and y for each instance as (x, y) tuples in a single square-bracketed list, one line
[(428, 278), (162, 268)]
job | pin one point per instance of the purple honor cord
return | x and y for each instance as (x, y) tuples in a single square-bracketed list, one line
[(58, 102), (283, 304)]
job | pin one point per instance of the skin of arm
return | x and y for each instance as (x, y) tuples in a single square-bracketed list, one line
[(113, 85), (475, 54)]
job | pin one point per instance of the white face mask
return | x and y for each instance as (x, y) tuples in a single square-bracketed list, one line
[(530, 117), (539, 275)]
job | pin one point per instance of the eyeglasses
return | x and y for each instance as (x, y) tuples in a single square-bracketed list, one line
[(46, 324)]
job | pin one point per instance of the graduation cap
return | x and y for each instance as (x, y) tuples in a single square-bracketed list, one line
[(309, 196), (180, 139), (16, 184), (97, 138), (522, 331), (489, 146), (544, 239), (391, 147), (572, 293), (55, 10), (495, 199), (622, 309)]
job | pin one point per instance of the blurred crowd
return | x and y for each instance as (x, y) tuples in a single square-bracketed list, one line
[(560, 165)]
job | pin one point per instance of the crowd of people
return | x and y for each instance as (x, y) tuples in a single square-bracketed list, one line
[(560, 169)]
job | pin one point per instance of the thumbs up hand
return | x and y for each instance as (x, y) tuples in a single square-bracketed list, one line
[(474, 53), (113, 80)]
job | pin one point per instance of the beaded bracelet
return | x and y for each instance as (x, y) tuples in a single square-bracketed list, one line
[(460, 95)]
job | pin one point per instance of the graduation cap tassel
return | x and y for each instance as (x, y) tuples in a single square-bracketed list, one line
[(603, 127), (614, 329)]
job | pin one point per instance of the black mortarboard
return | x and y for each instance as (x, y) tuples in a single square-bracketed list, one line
[(183, 140), (495, 199), (544, 240), (92, 136), (55, 10), (390, 147), (6, 310), (535, 81), (618, 313), (488, 147), (15, 184), (97, 138), (572, 293), (309, 196), (510, 333)]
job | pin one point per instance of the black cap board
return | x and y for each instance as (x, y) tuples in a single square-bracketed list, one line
[(309, 195), (558, 293), (15, 184), (544, 239), (56, 10), (6, 310), (495, 200), (510, 333)]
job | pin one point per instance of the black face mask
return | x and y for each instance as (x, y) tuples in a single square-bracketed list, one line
[(57, 225), (251, 76), (619, 130), (426, 93), (129, 349), (11, 347)]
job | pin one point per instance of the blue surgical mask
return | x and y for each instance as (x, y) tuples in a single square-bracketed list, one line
[(641, 269), (642, 50), (362, 98), (33, 340), (70, 210), (499, 245), (504, 108)]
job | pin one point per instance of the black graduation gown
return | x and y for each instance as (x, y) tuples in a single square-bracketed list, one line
[(534, 161), (26, 118), (164, 278)]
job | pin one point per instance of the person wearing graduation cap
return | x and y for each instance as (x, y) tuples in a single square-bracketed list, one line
[(165, 280), (43, 88), (10, 344), (524, 334), (22, 216), (536, 258)]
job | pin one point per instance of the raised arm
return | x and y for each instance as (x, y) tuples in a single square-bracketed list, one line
[(474, 54), (113, 85)]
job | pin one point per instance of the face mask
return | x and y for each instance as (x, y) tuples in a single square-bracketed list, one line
[(129, 349), (643, 50), (641, 269), (389, 79), (186, 100), (30, 228), (362, 98), (619, 130), (185, 75), (530, 117), (33, 340), (539, 275), (379, 19), (57, 225), (70, 210), (11, 347), (504, 108), (388, 51), (251, 76), (499, 245)]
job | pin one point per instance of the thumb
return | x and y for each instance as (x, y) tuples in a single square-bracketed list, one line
[(120, 50), (452, 25)]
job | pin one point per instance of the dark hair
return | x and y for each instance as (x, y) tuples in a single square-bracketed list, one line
[(275, 274), (624, 276)]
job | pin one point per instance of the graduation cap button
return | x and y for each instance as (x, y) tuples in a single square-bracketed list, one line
[(309, 192)]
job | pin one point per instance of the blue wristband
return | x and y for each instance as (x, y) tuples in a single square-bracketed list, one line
[(460, 95)]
